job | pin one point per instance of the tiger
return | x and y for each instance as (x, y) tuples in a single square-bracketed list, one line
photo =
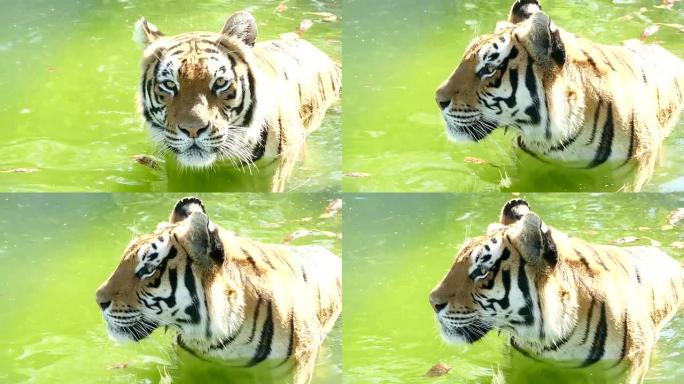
[(559, 298), (570, 100), (210, 96), (229, 298)]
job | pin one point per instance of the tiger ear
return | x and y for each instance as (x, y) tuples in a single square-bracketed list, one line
[(184, 207), (522, 10), (243, 26), (513, 211), (542, 40), (145, 33), (200, 239), (532, 238)]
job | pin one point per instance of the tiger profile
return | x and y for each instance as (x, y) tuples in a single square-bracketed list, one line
[(220, 96), (229, 297), (571, 101), (559, 298)]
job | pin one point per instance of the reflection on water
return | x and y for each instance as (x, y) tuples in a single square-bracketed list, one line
[(69, 71), (396, 53), (399, 246), (58, 248)]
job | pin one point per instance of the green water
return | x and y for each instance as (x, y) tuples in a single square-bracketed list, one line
[(396, 53), (397, 247), (69, 72), (55, 251)]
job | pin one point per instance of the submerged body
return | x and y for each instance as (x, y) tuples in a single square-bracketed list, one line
[(558, 297), (222, 96), (570, 100), (229, 297)]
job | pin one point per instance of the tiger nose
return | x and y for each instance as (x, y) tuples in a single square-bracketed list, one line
[(102, 300), (194, 132), (437, 304), (442, 99)]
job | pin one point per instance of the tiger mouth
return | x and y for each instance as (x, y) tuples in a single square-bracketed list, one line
[(470, 131), (135, 331), (469, 333)]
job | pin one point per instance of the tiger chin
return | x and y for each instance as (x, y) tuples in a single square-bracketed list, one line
[(557, 297), (223, 97), (228, 297), (571, 101)]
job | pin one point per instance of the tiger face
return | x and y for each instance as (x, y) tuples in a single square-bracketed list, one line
[(160, 279), (199, 93), (492, 282), (496, 82)]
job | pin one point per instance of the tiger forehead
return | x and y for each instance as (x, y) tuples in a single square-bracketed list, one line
[(482, 244), (494, 50)]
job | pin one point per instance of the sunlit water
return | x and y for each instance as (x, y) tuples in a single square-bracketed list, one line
[(396, 53), (399, 246), (69, 72), (56, 249)]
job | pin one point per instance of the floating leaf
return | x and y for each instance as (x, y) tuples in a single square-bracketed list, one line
[(475, 160), (667, 227), (675, 216), (118, 366), (357, 174), (677, 245), (304, 26), (282, 6), (332, 209), (147, 161), (626, 240), (325, 16), (649, 31), (20, 170), (644, 228), (298, 234), (306, 219), (437, 370)]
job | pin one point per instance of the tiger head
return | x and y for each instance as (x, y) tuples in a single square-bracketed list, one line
[(199, 91), (495, 84), (491, 284), (161, 278)]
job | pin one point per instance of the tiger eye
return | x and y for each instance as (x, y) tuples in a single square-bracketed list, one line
[(170, 84), (220, 82)]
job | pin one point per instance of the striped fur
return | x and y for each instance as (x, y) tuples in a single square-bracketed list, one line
[(570, 100), (559, 298), (229, 297), (219, 96)]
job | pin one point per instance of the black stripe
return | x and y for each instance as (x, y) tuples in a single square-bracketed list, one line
[(254, 321), (596, 117), (605, 146), (290, 345), (599, 344), (193, 309), (526, 312), (510, 101), (632, 138), (531, 84), (260, 147), (625, 330), (266, 339), (589, 315)]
